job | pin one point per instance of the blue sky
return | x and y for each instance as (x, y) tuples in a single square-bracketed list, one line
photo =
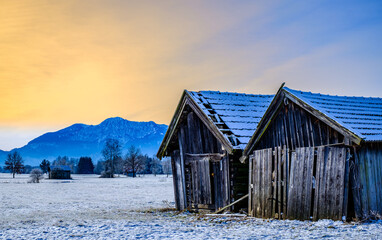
[(71, 61)]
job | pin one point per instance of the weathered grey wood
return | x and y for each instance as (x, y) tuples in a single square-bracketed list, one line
[(195, 139), (258, 188), (319, 182), (355, 182), (279, 181), (341, 181), (291, 187), (309, 161), (255, 183), (227, 180), (179, 180), (301, 182), (285, 180), (274, 184), (195, 184), (250, 186), (262, 186), (209, 156), (175, 181), (269, 183), (183, 148), (231, 204)]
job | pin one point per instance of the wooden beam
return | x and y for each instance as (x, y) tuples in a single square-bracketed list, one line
[(230, 205)]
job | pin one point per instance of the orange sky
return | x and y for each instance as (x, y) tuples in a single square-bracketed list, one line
[(63, 62)]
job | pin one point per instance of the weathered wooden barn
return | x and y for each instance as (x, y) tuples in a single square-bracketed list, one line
[(316, 156), (59, 172), (205, 140)]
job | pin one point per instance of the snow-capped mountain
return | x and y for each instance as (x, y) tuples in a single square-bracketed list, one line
[(88, 140)]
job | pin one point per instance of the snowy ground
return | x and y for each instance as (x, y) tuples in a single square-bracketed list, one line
[(88, 207)]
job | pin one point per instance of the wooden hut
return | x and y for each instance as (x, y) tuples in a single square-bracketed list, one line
[(205, 140), (59, 172), (316, 156)]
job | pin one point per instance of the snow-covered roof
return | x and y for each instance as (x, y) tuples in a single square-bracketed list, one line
[(360, 115), (60, 167), (236, 115)]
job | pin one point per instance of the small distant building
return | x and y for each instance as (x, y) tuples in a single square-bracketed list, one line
[(59, 172)]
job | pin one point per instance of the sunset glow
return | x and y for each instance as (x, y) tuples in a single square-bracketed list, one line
[(64, 62)]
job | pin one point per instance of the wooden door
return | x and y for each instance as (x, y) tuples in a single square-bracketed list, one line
[(317, 184), (201, 183), (221, 182), (268, 178)]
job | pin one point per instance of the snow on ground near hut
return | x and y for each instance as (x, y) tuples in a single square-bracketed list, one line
[(88, 207)]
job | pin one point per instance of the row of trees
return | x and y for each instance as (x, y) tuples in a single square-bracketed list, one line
[(133, 163)]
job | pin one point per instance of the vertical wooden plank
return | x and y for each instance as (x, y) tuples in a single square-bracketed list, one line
[(263, 186), (274, 198), (346, 184), (320, 156), (371, 189), (255, 183), (299, 176), (179, 179), (183, 148), (227, 181), (342, 178), (329, 183), (195, 139), (250, 184), (291, 187), (175, 180), (292, 132), (259, 197), (208, 181), (285, 180), (309, 162), (279, 179), (297, 128), (269, 183), (355, 182)]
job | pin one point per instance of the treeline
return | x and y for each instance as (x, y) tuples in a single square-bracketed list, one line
[(131, 164)]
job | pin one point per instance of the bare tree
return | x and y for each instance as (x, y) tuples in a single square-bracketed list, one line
[(156, 166), (134, 161), (36, 175), (111, 153), (14, 163), (166, 165)]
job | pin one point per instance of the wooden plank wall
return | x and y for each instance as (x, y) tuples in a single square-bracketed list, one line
[(201, 181), (206, 182), (221, 182), (330, 183), (300, 184), (366, 179), (293, 127), (177, 180), (281, 183), (268, 183)]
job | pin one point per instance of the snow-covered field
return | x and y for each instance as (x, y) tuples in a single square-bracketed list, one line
[(88, 207)]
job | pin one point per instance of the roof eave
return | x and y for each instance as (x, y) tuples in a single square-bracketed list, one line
[(171, 127), (323, 117), (256, 135), (188, 99), (273, 108)]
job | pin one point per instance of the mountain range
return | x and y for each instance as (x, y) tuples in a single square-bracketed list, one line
[(88, 140)]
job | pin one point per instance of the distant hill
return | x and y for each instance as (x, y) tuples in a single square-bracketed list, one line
[(88, 140)]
